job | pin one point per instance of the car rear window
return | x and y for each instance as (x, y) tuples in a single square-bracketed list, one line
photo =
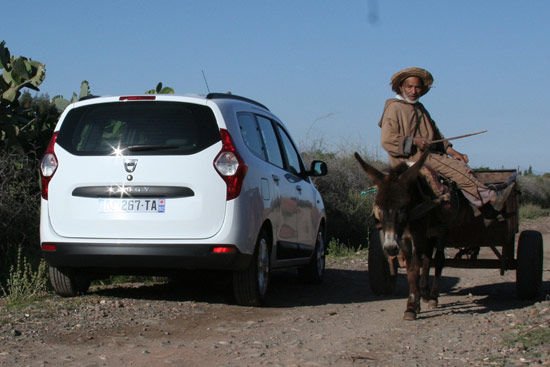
[(139, 128)]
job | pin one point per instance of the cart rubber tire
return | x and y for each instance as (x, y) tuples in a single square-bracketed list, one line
[(529, 265), (380, 279), (68, 283), (251, 284), (314, 271)]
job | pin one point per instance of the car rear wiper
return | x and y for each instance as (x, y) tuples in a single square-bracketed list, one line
[(150, 147)]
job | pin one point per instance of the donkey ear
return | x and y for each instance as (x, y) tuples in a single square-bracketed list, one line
[(373, 173), (412, 172)]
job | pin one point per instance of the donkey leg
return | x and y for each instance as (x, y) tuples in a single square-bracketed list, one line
[(413, 301), (439, 261), (424, 277)]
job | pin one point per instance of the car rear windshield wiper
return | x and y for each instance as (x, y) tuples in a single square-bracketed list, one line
[(151, 147)]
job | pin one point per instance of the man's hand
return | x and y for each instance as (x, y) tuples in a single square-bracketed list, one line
[(457, 155)]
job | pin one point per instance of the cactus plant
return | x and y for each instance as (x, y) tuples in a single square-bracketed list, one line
[(17, 73), (62, 103), (160, 90)]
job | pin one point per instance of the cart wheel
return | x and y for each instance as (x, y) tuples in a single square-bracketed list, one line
[(380, 279), (529, 265)]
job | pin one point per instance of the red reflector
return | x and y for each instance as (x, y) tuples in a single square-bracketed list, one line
[(137, 98), (223, 249), (49, 247)]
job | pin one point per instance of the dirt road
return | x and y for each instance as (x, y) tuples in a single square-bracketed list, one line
[(340, 323)]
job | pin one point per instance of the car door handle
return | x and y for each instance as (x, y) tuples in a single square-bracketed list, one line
[(275, 178), (299, 188)]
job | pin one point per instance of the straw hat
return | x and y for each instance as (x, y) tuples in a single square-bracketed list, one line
[(424, 75)]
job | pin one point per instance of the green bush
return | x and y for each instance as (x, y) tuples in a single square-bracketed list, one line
[(348, 201), (19, 209), (336, 248), (532, 211), (535, 190), (24, 283)]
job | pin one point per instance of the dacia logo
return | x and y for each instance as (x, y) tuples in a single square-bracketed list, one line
[(130, 165)]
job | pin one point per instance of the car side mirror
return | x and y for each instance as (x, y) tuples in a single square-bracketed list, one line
[(317, 168)]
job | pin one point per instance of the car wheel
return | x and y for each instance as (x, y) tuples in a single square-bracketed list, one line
[(68, 283), (251, 284), (314, 271)]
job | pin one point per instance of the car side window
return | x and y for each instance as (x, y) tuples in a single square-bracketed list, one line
[(271, 142), (251, 134), (293, 158)]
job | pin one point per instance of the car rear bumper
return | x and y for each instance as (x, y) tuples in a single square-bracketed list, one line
[(142, 256)]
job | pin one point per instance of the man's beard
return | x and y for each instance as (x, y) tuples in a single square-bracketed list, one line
[(408, 100)]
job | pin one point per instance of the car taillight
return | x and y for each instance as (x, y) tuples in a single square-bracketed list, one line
[(48, 166), (230, 166)]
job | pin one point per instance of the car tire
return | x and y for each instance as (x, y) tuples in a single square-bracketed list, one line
[(314, 271), (250, 285), (67, 283)]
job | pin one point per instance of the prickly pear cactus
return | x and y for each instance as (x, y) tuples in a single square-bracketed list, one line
[(160, 90), (17, 73), (62, 103)]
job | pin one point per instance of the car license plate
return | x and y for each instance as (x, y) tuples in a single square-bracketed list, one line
[(132, 205)]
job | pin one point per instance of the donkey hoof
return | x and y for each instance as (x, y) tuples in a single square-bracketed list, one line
[(409, 316), (432, 303)]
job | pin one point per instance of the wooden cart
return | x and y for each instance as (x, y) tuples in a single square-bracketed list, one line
[(475, 245)]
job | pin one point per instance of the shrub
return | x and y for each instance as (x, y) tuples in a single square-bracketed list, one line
[(336, 248), (346, 196), (24, 284), (19, 209), (531, 211), (535, 190)]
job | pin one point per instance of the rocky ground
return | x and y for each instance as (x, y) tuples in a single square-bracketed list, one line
[(479, 322)]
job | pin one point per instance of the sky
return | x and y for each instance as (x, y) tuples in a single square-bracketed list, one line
[(322, 66)]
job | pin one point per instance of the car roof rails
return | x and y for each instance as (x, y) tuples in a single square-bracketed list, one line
[(234, 96)]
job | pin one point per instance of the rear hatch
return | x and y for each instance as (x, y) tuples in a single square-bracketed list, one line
[(137, 170)]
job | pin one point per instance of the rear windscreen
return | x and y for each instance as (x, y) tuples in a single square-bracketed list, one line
[(139, 128)]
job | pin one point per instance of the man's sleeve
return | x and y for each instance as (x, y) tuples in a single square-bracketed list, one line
[(393, 140)]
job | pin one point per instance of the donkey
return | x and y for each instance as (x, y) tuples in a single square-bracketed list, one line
[(407, 221)]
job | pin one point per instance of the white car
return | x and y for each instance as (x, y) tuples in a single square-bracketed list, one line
[(160, 183)]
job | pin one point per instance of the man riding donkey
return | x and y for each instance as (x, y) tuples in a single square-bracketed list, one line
[(408, 130), (410, 230)]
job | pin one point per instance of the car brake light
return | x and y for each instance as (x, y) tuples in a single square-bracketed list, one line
[(223, 249), (48, 166), (48, 247), (137, 98), (230, 166)]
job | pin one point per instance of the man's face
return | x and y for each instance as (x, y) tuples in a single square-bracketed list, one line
[(411, 89)]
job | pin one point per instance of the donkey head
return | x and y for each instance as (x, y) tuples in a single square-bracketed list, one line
[(393, 200)]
